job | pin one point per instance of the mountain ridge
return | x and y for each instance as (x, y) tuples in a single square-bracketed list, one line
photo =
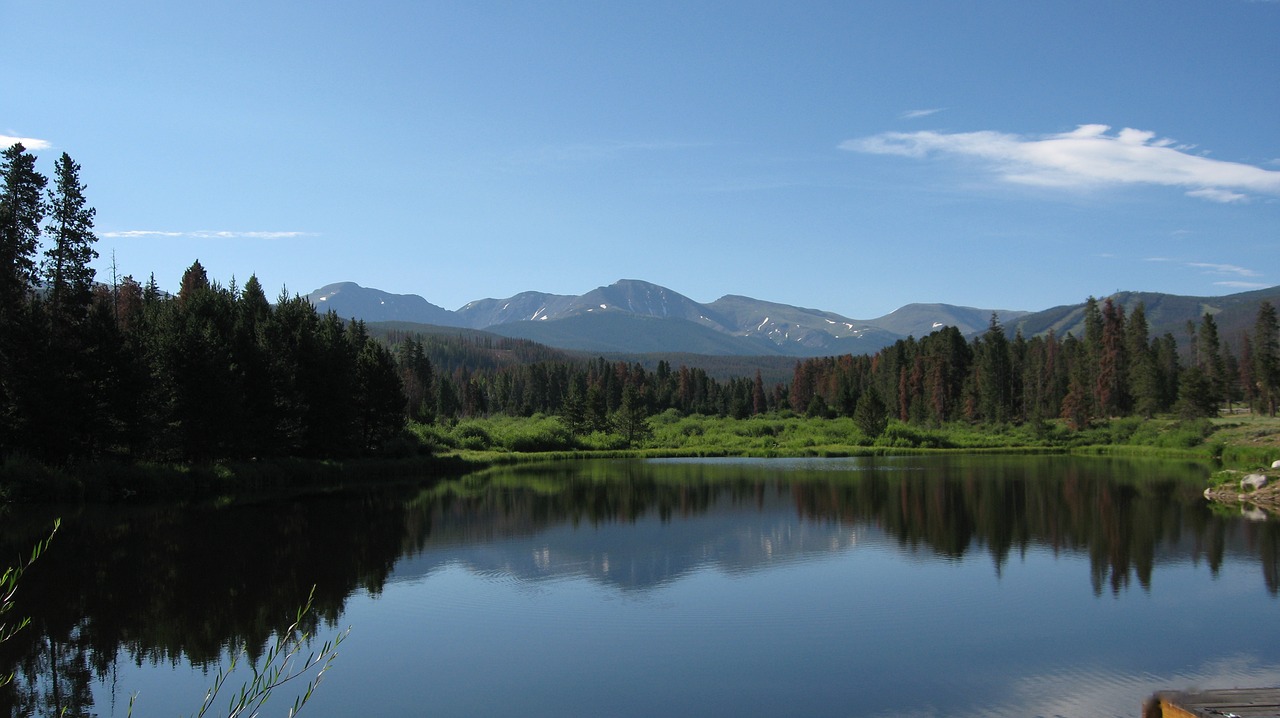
[(636, 316)]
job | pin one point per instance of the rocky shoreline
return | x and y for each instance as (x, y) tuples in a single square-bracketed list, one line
[(1258, 488)]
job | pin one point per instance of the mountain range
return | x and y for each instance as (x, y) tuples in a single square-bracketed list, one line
[(637, 317)]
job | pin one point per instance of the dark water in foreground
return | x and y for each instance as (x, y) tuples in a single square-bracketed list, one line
[(955, 586)]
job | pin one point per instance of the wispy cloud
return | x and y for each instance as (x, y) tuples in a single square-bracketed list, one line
[(1219, 270), (1086, 157), (917, 114), (207, 234), (1242, 285), (1218, 195), (31, 143), (1224, 269)]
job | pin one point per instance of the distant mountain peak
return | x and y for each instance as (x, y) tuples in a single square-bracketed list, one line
[(636, 315)]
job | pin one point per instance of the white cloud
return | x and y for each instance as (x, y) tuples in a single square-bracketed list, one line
[(250, 235), (1224, 269), (1242, 285), (142, 233), (207, 234), (1085, 157), (31, 143), (917, 114), (1218, 195)]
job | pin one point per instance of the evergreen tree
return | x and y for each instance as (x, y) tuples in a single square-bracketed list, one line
[(573, 411), (995, 374), (870, 415), (1248, 386), (1144, 382), (22, 209), (1195, 394), (250, 353), (1164, 351), (1266, 358), (759, 403), (67, 377), (1110, 385), (196, 279), (379, 396), (596, 409), (1078, 408), (1211, 362), (632, 415), (67, 271)]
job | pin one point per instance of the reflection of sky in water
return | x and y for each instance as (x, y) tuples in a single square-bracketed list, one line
[(855, 632)]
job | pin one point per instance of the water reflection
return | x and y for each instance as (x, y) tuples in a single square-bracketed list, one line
[(178, 584), (1127, 515)]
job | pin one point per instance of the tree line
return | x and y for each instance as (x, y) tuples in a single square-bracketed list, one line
[(92, 370), (1115, 369)]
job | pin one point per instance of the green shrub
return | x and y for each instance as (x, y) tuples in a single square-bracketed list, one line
[(432, 437), (602, 441), (471, 435), (903, 436), (536, 434), (670, 416)]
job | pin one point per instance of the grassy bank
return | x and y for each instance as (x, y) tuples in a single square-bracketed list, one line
[(1235, 441), (1239, 442)]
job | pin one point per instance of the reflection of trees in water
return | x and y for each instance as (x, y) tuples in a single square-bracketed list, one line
[(171, 583), (1124, 514), (1123, 524), (168, 584)]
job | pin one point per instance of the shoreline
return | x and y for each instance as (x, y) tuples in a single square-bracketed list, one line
[(1230, 450)]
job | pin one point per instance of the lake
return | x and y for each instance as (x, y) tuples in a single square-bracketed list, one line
[(909, 586)]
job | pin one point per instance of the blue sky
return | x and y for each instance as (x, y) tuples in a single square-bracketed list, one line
[(849, 156)]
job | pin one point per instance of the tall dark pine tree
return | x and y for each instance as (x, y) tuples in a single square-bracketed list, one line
[(21, 212), (1266, 358), (995, 374), (1211, 362), (1144, 379), (67, 271), (1110, 389), (69, 377), (22, 209)]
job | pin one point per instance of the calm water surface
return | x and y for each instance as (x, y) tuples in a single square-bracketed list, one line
[(956, 586)]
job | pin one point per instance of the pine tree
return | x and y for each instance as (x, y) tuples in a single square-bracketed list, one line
[(67, 270), (1211, 362), (68, 375), (631, 417), (1143, 379), (1110, 386), (1266, 357), (870, 414), (995, 374), (22, 209), (195, 279), (758, 402)]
